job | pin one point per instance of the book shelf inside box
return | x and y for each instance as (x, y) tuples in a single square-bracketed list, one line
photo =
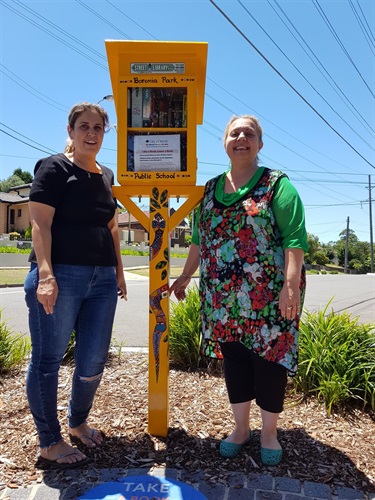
[(156, 107)]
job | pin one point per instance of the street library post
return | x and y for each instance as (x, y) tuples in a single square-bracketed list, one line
[(158, 89)]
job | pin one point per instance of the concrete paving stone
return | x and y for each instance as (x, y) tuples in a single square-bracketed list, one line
[(74, 491), (236, 479), (16, 494), (260, 482), (290, 496), (44, 492), (267, 495), (317, 490), (239, 494), (106, 475), (215, 492), (344, 493), (287, 484)]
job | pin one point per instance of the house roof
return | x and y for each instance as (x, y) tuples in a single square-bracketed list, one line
[(123, 219), (12, 198), (20, 186)]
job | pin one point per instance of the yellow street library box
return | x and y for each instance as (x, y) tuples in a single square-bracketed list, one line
[(158, 89)]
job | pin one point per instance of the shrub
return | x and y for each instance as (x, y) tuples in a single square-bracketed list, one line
[(13, 348), (28, 233), (185, 335), (14, 250), (69, 353), (336, 359), (14, 235)]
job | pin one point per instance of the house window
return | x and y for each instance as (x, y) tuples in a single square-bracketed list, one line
[(175, 234), (19, 212)]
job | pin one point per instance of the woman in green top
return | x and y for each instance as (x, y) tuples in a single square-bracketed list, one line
[(249, 242)]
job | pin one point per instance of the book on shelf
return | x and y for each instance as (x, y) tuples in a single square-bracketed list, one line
[(184, 111), (146, 107), (136, 107), (157, 107)]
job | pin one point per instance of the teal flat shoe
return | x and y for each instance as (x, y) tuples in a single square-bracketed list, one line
[(271, 457), (231, 450)]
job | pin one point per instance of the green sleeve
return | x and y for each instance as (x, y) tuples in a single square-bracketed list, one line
[(195, 235), (290, 215)]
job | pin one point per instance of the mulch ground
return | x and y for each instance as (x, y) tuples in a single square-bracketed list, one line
[(339, 450)]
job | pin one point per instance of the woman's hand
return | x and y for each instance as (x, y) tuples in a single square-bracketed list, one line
[(289, 300), (179, 287), (122, 291), (47, 292)]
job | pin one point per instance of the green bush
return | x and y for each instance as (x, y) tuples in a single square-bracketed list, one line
[(312, 271), (14, 235), (69, 353), (185, 335), (336, 359), (28, 233), (14, 250), (13, 348)]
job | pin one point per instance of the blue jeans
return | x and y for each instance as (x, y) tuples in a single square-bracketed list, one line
[(86, 303)]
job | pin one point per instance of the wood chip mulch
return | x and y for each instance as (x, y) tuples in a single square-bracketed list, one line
[(338, 451)]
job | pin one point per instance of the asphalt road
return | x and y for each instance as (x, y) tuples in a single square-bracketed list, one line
[(352, 293)]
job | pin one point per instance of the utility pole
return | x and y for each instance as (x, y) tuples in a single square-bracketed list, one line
[(370, 214), (346, 246)]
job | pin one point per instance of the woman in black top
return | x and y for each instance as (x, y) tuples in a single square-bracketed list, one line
[(75, 277)]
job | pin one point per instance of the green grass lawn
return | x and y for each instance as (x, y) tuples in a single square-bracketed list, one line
[(17, 276)]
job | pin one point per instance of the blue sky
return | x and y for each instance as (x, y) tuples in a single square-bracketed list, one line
[(305, 68)]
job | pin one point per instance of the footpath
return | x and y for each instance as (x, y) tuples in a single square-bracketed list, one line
[(70, 485)]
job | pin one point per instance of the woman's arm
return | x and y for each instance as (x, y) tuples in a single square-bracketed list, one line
[(41, 217), (290, 297), (121, 284), (191, 265)]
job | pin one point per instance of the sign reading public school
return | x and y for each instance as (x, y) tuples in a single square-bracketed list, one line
[(157, 67), (144, 488)]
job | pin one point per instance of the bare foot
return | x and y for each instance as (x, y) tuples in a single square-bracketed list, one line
[(88, 436), (62, 453)]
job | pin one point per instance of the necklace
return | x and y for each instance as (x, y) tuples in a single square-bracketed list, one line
[(88, 172)]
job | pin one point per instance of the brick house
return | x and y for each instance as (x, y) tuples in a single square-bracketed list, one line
[(14, 209), (139, 234)]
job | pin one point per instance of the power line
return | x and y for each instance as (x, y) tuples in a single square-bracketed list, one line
[(103, 19), (371, 35), (289, 84), (362, 27), (62, 31), (28, 138), (41, 28), (318, 64), (35, 90), (338, 40), (302, 75), (19, 140)]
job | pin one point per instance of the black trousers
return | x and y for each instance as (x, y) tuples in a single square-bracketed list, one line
[(249, 376)]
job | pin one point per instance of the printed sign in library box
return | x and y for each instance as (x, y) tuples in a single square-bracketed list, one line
[(157, 153)]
